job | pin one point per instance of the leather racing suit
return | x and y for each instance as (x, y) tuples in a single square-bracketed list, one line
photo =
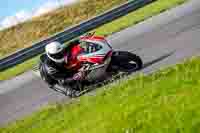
[(67, 71)]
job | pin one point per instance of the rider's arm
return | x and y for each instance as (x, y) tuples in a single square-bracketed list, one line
[(55, 73)]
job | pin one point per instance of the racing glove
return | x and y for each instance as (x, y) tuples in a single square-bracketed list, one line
[(82, 72), (79, 76)]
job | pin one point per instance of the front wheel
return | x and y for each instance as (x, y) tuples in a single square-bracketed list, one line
[(126, 61)]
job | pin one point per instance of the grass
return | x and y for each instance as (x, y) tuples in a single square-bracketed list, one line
[(164, 102), (19, 69), (107, 29)]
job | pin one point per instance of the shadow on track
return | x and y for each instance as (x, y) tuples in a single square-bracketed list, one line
[(158, 59)]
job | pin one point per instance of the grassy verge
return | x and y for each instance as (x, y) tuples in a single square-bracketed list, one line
[(107, 29), (164, 102), (19, 69)]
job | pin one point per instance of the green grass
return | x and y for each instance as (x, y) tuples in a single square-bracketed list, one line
[(164, 102), (107, 29), (19, 69)]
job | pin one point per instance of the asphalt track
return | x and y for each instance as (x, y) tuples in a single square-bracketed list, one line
[(161, 41)]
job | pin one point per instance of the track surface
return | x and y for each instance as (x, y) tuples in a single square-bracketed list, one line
[(161, 41)]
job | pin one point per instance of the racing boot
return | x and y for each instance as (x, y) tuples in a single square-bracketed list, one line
[(72, 93)]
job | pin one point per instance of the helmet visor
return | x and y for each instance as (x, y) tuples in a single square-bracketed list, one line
[(57, 56)]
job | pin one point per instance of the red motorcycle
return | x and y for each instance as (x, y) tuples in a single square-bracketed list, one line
[(102, 64)]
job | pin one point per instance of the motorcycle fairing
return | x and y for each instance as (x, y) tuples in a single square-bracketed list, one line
[(96, 57)]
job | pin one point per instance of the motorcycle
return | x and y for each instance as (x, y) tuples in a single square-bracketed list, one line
[(101, 64)]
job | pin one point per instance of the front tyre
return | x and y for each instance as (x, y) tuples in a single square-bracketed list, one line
[(126, 61)]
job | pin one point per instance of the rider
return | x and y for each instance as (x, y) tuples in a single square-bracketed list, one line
[(62, 63)]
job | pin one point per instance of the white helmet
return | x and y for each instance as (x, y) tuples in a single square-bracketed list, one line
[(55, 51)]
